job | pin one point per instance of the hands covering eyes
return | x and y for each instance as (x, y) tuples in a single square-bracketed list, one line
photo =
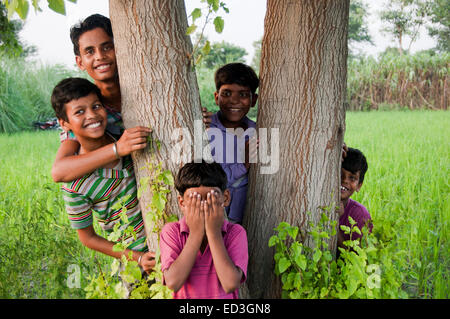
[(204, 216)]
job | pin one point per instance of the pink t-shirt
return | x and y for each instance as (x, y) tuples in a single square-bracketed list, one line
[(203, 282)]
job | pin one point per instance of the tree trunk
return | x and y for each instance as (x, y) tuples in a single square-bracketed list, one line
[(158, 86), (303, 87)]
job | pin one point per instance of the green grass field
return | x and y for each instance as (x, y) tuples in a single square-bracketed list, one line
[(406, 190)]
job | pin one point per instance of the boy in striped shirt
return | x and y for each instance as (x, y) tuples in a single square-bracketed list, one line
[(108, 192)]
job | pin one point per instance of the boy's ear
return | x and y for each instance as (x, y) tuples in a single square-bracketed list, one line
[(254, 99), (359, 186), (216, 97), (64, 125), (79, 63), (226, 197), (180, 201)]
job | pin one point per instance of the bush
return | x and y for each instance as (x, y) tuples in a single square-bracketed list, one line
[(364, 270), (415, 81), (25, 92)]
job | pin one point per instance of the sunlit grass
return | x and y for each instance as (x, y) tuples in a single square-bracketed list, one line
[(406, 190)]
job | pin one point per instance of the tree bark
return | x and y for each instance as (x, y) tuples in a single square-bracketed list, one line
[(302, 92), (158, 85)]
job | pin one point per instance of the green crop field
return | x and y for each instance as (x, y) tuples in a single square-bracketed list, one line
[(406, 190)]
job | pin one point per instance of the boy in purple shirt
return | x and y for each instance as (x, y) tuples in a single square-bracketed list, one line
[(354, 167), (203, 256), (230, 130)]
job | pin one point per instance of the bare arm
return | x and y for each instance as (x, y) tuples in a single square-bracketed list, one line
[(68, 166), (90, 239), (229, 275), (175, 276)]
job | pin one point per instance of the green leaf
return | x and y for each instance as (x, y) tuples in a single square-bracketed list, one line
[(22, 9), (283, 264), (167, 177), (273, 241), (57, 6), (296, 248), (158, 201), (206, 48), (223, 5), (214, 4), (293, 231), (323, 292), (35, 4), (115, 267), (351, 220), (317, 255), (12, 7), (172, 218), (196, 13), (300, 261), (118, 247), (297, 280), (346, 229), (191, 29), (219, 24), (356, 229)]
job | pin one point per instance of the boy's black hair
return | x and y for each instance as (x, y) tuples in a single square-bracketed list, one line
[(236, 73), (90, 23), (71, 89), (355, 161), (200, 174)]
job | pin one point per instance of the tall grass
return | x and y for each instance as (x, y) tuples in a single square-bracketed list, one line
[(406, 190), (25, 89), (37, 244), (414, 81)]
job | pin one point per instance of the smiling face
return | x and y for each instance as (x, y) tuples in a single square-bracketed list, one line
[(234, 102), (86, 118), (97, 55), (349, 184)]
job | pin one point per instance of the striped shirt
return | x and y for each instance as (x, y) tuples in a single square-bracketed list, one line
[(105, 193)]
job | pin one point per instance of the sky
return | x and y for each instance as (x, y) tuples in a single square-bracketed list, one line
[(244, 24)]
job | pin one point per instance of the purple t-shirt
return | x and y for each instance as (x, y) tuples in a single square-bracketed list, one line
[(203, 282), (228, 150), (359, 213)]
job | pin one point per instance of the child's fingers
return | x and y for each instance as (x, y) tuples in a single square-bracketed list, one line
[(216, 204), (142, 129), (187, 205), (197, 205), (208, 205)]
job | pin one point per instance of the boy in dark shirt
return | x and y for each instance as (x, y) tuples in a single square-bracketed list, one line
[(354, 167)]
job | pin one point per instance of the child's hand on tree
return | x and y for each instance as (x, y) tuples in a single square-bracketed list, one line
[(133, 139), (147, 261), (206, 117)]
